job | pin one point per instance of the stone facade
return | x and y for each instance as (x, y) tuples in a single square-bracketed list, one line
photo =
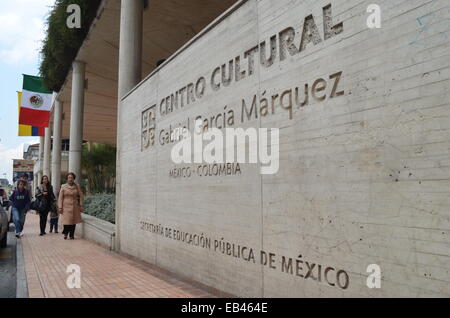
[(364, 172)]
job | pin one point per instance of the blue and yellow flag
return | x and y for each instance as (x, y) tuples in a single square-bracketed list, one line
[(26, 130)]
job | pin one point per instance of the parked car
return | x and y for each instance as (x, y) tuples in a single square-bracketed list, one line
[(4, 196), (4, 224)]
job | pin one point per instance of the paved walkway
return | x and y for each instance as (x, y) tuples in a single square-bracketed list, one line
[(104, 274)]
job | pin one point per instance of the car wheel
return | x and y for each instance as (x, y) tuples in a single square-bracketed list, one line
[(4, 241)]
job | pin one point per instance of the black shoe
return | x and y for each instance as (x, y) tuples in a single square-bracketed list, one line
[(72, 238), (41, 234), (51, 231), (65, 237), (56, 232)]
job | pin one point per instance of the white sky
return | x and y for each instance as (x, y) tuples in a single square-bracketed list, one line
[(22, 29)]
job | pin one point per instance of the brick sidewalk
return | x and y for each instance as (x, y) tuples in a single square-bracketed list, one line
[(104, 274)]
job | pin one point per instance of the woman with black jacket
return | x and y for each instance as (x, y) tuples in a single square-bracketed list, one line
[(45, 192)]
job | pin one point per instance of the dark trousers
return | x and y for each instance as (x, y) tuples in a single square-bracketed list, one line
[(43, 220), (69, 230), (54, 224)]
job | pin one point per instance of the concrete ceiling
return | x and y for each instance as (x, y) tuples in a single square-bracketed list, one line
[(168, 25)]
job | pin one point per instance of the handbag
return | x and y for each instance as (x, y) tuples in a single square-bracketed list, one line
[(38, 205)]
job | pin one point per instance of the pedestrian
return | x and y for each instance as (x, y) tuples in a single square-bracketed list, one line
[(70, 204), (54, 217), (45, 193), (20, 200), (24, 178)]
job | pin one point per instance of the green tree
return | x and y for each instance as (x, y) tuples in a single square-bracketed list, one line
[(62, 43), (99, 166)]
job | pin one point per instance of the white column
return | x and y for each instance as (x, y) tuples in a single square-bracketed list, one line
[(130, 50), (56, 154), (35, 182), (47, 150), (76, 118), (130, 68), (40, 162)]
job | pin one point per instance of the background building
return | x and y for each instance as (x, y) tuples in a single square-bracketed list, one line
[(4, 182), (31, 152)]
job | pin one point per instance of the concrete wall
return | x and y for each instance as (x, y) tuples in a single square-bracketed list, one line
[(97, 230), (364, 172)]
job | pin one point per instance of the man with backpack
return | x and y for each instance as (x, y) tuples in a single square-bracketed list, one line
[(20, 200)]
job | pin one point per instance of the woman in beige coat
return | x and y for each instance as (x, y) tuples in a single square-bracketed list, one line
[(70, 203)]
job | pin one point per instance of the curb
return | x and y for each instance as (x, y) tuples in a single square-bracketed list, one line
[(21, 285)]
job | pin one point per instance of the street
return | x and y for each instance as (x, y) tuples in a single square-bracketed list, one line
[(8, 265)]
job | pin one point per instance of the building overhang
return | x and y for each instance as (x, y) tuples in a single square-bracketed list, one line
[(168, 25)]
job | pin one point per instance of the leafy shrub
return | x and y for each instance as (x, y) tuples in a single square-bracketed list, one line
[(61, 44), (99, 163), (101, 206)]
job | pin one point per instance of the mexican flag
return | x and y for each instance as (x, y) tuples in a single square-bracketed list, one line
[(36, 104), (27, 130)]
